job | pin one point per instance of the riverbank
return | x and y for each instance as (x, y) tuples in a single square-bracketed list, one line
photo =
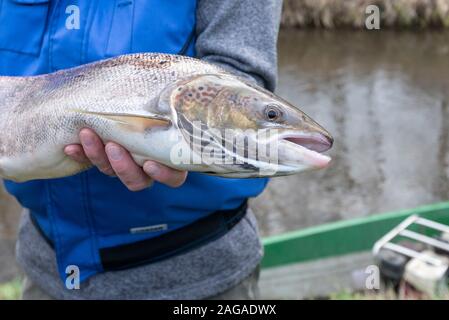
[(330, 14)]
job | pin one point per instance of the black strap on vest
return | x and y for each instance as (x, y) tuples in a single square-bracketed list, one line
[(168, 244)]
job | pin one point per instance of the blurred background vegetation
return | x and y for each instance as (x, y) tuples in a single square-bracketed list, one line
[(331, 14)]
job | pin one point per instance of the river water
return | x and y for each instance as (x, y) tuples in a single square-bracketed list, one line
[(385, 98)]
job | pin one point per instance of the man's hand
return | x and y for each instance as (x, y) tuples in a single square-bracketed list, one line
[(114, 160)]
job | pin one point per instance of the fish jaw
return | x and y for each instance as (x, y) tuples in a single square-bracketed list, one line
[(282, 158), (292, 151), (296, 155), (315, 141), (305, 148), (285, 154)]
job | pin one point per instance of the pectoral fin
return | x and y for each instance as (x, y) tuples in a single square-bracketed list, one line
[(133, 122)]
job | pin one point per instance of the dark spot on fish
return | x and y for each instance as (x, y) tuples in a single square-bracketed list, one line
[(205, 94), (200, 88)]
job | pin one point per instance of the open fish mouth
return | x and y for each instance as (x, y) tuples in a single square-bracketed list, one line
[(305, 149), (313, 141)]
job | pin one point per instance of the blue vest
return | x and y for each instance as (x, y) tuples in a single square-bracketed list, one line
[(89, 211)]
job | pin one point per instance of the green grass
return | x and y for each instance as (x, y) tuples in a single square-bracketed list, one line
[(11, 290), (346, 295), (387, 294)]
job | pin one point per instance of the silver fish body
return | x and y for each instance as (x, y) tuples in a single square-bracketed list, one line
[(144, 102)]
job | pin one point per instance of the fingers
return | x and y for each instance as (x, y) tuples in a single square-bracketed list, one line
[(115, 160), (94, 150), (132, 176), (171, 177), (76, 152)]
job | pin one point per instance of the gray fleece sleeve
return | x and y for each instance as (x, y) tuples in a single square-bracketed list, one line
[(240, 36)]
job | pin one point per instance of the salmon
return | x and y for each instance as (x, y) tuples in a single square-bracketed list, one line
[(183, 112)]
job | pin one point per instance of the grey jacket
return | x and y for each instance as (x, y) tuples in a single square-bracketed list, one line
[(239, 35)]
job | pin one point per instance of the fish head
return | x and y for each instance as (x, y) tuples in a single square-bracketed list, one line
[(262, 133)]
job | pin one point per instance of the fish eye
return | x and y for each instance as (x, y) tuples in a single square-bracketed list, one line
[(272, 112)]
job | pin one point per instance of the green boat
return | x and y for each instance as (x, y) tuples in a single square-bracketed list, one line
[(320, 261)]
